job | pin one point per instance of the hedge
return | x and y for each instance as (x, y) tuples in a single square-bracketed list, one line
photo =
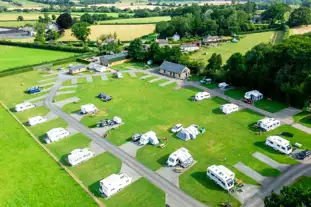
[(286, 30), (129, 23), (259, 31)]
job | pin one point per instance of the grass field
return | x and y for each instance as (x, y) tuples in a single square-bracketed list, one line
[(303, 182), (16, 23), (131, 65), (124, 32), (16, 56), (227, 49), (137, 20), (303, 118), (271, 106), (26, 5), (227, 140), (29, 176), (236, 93)]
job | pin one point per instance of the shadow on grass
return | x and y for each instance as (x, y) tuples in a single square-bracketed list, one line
[(94, 188), (129, 139), (163, 159), (41, 138), (64, 160), (201, 178), (217, 111), (253, 127), (270, 172), (219, 100), (12, 110)]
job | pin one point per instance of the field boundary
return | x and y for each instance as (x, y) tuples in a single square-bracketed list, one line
[(58, 162)]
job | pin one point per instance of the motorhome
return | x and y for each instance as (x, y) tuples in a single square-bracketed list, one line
[(268, 124), (149, 137), (24, 106), (36, 120), (56, 134), (201, 95), (88, 109), (221, 175), (180, 157), (253, 95), (188, 133), (78, 156), (114, 183), (279, 144), (223, 86), (229, 108)]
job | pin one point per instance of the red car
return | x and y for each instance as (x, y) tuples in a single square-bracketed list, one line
[(247, 101)]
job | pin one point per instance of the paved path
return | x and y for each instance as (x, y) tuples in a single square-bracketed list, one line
[(132, 74), (248, 191), (272, 163), (104, 77), (77, 115), (251, 173), (45, 80), (155, 80), (89, 79), (96, 148), (130, 148), (37, 98), (130, 172), (45, 90), (60, 104), (72, 86), (145, 77), (51, 74), (302, 128), (153, 177), (72, 130), (166, 83), (64, 92), (47, 84), (51, 116)]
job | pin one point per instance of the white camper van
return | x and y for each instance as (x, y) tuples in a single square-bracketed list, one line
[(253, 95), (78, 156), (279, 144), (180, 157), (201, 95), (88, 108), (221, 175), (56, 134), (149, 137), (268, 124), (36, 120), (229, 108), (114, 183), (24, 106)]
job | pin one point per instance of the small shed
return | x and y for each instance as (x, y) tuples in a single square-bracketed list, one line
[(77, 69), (174, 70), (108, 60)]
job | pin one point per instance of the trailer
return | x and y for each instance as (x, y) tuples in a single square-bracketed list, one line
[(253, 95), (267, 124), (36, 120), (78, 156), (33, 90), (149, 137), (88, 109), (56, 134), (201, 95), (114, 183), (180, 157), (229, 108), (221, 175), (24, 106), (118, 75), (279, 144)]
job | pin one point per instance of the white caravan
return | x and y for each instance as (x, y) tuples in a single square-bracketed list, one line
[(114, 183), (97, 67), (221, 175), (118, 75), (229, 108), (88, 108), (279, 144), (223, 85), (149, 137), (56, 134), (24, 106), (253, 95), (36, 120), (202, 95), (190, 132), (117, 120), (78, 156), (181, 157), (268, 124)]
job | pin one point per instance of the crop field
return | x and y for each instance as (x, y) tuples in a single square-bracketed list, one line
[(16, 23), (124, 32), (26, 5), (11, 56), (227, 49), (300, 30), (136, 20), (228, 138), (22, 160)]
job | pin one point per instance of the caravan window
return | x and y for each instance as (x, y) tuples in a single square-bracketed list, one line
[(270, 142), (283, 148), (278, 145), (171, 160), (289, 147)]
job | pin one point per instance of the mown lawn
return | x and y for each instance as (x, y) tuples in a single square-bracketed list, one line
[(270, 106), (136, 20), (16, 23), (11, 56), (29, 176), (23, 116), (236, 93), (303, 118), (146, 106), (133, 65), (303, 182)]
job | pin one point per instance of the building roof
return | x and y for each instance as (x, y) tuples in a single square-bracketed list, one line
[(162, 41), (107, 59), (114, 181), (229, 105), (56, 131), (253, 93), (172, 67), (267, 121), (77, 67), (212, 38), (182, 153)]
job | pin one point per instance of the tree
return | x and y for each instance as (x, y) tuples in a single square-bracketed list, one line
[(81, 31), (87, 18), (300, 16), (20, 18), (306, 3), (64, 21), (40, 27), (53, 16), (39, 38), (52, 35), (136, 50), (235, 68), (214, 64), (275, 13)]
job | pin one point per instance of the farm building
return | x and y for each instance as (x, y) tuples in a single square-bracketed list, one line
[(109, 60), (114, 183), (210, 39), (279, 144), (180, 157), (97, 67), (162, 42), (201, 95), (24, 106), (190, 132), (176, 37), (36, 120), (149, 137), (174, 70), (78, 156), (189, 47), (88, 109), (221, 175), (77, 69), (229, 108), (56, 134), (253, 95), (268, 124)]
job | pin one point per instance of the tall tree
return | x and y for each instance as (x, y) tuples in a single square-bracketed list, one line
[(275, 13), (136, 50), (64, 21), (20, 18), (300, 16), (81, 31), (87, 18), (214, 64)]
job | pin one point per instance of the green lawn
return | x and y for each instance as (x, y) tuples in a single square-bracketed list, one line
[(271, 106), (146, 106), (227, 49), (16, 56), (131, 65), (136, 20), (29, 176), (23, 116), (15, 23), (303, 118), (236, 93), (303, 182)]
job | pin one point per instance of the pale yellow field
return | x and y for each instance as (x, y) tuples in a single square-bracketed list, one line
[(301, 30), (124, 32), (27, 16)]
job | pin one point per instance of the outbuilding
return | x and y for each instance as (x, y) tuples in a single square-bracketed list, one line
[(229, 108), (108, 60), (114, 183), (279, 144), (190, 132), (78, 156), (149, 137), (36, 120), (253, 95), (24, 106), (56, 134), (268, 124), (74, 69), (88, 109), (221, 175), (174, 70)]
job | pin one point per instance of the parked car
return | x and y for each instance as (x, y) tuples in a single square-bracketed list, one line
[(104, 97), (136, 137), (303, 154), (248, 101), (206, 81), (176, 128)]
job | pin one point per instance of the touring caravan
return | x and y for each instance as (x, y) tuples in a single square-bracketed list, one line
[(24, 106), (190, 132), (221, 175), (149, 137), (88, 109), (268, 124), (114, 183), (253, 95), (279, 144), (180, 157), (56, 134), (36, 120), (201, 95), (78, 156), (229, 108)]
